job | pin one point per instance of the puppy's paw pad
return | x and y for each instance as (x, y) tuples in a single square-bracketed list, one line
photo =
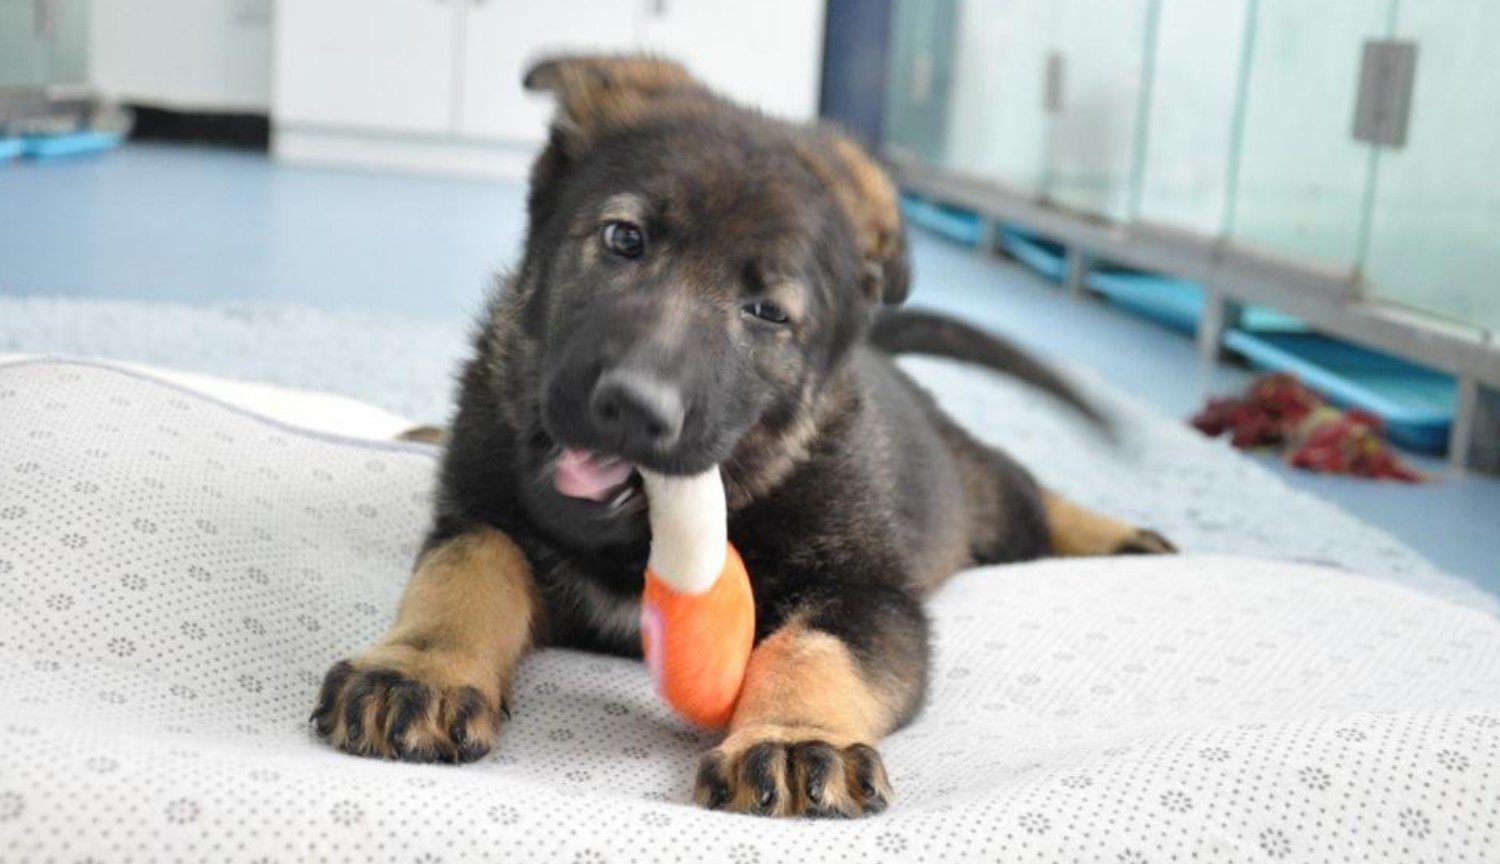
[(372, 710), (1145, 542), (793, 776)]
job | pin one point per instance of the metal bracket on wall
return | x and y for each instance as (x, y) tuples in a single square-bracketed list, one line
[(1387, 73)]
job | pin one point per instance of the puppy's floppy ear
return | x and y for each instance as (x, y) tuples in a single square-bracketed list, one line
[(873, 205), (597, 94)]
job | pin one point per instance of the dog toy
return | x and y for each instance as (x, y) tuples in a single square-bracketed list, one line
[(1279, 411), (697, 612)]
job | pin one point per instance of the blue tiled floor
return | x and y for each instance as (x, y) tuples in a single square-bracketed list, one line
[(193, 225)]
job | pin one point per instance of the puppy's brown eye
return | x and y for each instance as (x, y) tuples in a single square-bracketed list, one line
[(765, 310), (625, 239)]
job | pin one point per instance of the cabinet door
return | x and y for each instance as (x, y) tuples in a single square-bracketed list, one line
[(768, 53), (368, 64), (501, 38), (21, 44)]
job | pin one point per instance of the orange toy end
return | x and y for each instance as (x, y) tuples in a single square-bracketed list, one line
[(697, 646)]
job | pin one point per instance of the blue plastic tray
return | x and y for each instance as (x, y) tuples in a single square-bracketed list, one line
[(1047, 258), (71, 144), (1416, 403), (1175, 303), (954, 223), (10, 148), (1179, 303)]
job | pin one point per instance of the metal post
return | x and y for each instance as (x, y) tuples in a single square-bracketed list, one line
[(1461, 434), (1219, 314), (989, 233), (1482, 449), (1077, 273)]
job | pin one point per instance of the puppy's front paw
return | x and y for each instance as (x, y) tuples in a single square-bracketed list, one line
[(410, 705), (1145, 542), (783, 771)]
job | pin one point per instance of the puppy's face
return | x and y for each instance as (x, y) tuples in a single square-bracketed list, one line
[(694, 282)]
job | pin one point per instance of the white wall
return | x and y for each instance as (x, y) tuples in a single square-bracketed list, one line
[(198, 54)]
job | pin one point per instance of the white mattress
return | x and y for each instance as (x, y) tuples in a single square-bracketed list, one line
[(309, 410), (176, 574)]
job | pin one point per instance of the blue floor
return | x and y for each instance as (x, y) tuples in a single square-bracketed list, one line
[(200, 226)]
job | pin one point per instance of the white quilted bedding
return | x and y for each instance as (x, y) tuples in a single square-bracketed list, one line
[(175, 575)]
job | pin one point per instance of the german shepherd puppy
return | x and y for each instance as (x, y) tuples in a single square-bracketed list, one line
[(702, 285)]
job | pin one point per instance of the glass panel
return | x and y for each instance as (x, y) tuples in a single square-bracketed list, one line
[(917, 95), (1435, 229), (997, 125), (1302, 178), (1093, 145), (1199, 52)]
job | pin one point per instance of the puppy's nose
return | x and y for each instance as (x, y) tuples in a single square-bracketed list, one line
[(643, 410)]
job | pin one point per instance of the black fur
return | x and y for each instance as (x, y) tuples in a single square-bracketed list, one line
[(907, 331), (852, 495)]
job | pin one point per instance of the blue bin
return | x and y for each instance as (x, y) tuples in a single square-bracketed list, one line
[(1179, 303), (955, 223), (1048, 259), (1415, 403), (70, 144)]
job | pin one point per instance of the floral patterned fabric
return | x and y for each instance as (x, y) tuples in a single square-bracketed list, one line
[(176, 575)]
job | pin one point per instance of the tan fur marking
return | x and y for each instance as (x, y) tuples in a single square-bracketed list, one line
[(868, 198), (799, 741), (1074, 530), (473, 597), (596, 94), (425, 435), (835, 788), (763, 458), (624, 207), (876, 208), (463, 625), (803, 684)]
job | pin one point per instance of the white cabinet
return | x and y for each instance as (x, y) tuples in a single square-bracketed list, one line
[(767, 53), (365, 64), (502, 39), (435, 85)]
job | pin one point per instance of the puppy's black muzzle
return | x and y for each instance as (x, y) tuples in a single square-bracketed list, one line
[(628, 387), (640, 410)]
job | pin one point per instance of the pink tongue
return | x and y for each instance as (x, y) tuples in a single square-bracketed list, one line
[(585, 474)]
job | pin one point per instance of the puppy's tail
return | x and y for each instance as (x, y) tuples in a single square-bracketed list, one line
[(907, 331)]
